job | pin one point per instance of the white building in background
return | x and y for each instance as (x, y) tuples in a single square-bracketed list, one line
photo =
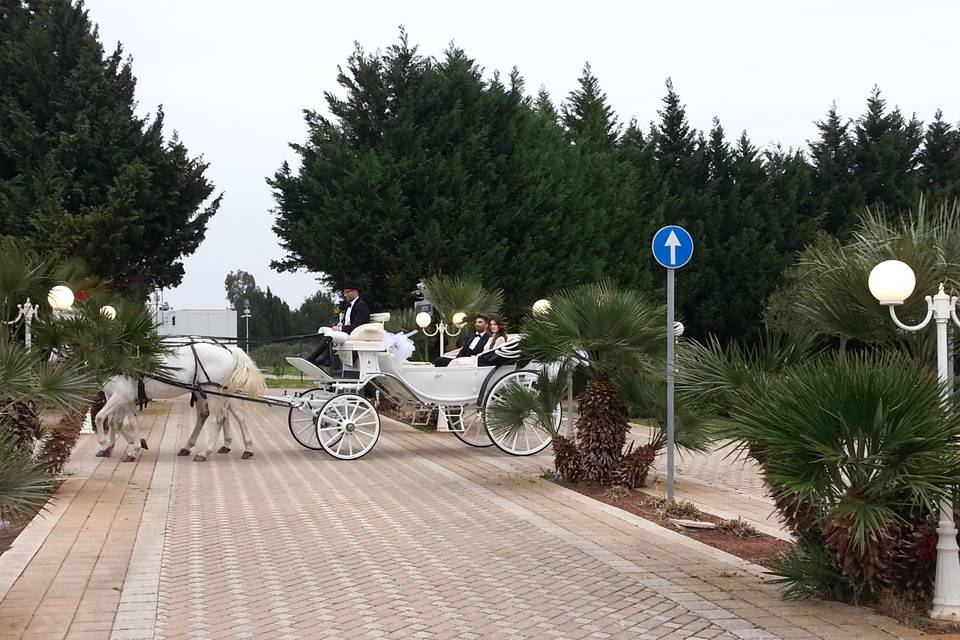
[(219, 323)]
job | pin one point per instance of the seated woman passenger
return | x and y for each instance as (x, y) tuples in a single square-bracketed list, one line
[(498, 337)]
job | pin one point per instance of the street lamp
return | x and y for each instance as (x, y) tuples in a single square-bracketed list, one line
[(246, 317), (891, 282), (540, 307), (424, 319), (60, 299), (108, 312)]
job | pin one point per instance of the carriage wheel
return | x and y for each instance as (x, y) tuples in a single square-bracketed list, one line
[(472, 431), (348, 426), (303, 420), (531, 438)]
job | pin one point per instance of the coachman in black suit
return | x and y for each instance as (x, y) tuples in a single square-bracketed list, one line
[(356, 314), (472, 344)]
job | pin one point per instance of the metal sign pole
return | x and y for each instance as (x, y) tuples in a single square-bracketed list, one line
[(670, 372)]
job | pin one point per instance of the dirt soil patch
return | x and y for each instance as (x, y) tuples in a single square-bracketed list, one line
[(760, 549)]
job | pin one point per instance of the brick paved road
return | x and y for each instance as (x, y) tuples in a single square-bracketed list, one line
[(423, 538)]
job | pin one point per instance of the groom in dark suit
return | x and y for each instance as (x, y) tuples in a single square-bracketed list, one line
[(472, 343), (356, 313)]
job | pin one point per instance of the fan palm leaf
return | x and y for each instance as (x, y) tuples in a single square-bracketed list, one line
[(859, 441), (454, 294), (600, 327)]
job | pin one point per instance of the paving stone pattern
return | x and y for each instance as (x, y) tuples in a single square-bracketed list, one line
[(423, 538)]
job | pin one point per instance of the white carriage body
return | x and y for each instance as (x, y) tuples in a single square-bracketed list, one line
[(457, 394)]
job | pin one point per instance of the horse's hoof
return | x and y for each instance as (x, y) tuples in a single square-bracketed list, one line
[(223, 450), (247, 454), (103, 454), (199, 458), (128, 458), (183, 452), (143, 444)]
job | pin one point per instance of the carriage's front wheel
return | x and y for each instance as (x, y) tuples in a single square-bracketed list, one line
[(303, 419), (348, 426), (530, 438), (469, 427)]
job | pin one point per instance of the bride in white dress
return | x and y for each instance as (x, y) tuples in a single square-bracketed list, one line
[(498, 337)]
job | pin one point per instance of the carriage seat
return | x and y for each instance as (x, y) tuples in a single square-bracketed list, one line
[(366, 337)]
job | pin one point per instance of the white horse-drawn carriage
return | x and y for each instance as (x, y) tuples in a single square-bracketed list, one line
[(340, 415)]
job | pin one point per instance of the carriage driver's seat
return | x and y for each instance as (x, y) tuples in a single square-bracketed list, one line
[(369, 336)]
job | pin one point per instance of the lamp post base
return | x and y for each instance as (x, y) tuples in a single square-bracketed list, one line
[(946, 593)]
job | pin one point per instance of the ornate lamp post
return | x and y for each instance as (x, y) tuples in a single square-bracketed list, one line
[(891, 282), (61, 300), (424, 320), (246, 317)]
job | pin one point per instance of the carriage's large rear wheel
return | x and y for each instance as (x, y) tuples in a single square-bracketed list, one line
[(303, 420), (531, 438), (348, 426), (469, 427)]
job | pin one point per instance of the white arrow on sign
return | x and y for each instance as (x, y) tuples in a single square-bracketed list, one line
[(672, 242)]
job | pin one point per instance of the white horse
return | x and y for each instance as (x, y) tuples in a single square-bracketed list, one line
[(212, 367)]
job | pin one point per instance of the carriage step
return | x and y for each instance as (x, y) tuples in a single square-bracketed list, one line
[(309, 369)]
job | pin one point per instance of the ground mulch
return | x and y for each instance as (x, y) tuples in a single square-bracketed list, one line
[(761, 549)]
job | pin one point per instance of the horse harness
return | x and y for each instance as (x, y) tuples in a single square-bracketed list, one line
[(195, 389)]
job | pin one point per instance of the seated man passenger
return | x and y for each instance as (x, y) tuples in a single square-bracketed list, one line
[(497, 330), (472, 345), (356, 314)]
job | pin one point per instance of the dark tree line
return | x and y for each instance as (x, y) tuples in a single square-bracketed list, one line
[(81, 174), (270, 316), (426, 167)]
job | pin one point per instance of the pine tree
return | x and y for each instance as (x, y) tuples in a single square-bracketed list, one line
[(885, 156), (840, 197), (939, 161), (588, 119), (80, 172)]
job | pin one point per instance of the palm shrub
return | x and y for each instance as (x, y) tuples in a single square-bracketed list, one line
[(826, 291), (28, 381), (606, 332), (865, 444), (646, 396), (455, 294), (105, 347), (713, 379), (517, 406)]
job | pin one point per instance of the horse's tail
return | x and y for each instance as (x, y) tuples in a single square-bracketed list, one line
[(246, 377)]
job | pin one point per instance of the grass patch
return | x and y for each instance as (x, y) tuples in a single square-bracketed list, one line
[(289, 383)]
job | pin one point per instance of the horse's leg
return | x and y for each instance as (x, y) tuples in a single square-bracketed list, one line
[(202, 412), (227, 435), (219, 414), (130, 428), (112, 409), (245, 433)]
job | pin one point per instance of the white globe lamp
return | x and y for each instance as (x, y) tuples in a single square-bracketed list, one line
[(108, 312), (459, 318), (60, 298), (677, 329), (423, 319), (891, 282), (541, 307)]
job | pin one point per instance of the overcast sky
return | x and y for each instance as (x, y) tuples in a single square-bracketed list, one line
[(233, 78)]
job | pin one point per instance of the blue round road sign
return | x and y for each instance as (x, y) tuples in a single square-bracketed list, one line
[(672, 247)]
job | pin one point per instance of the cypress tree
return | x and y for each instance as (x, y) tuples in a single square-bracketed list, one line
[(840, 197), (80, 173), (939, 160), (587, 118), (885, 155)]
